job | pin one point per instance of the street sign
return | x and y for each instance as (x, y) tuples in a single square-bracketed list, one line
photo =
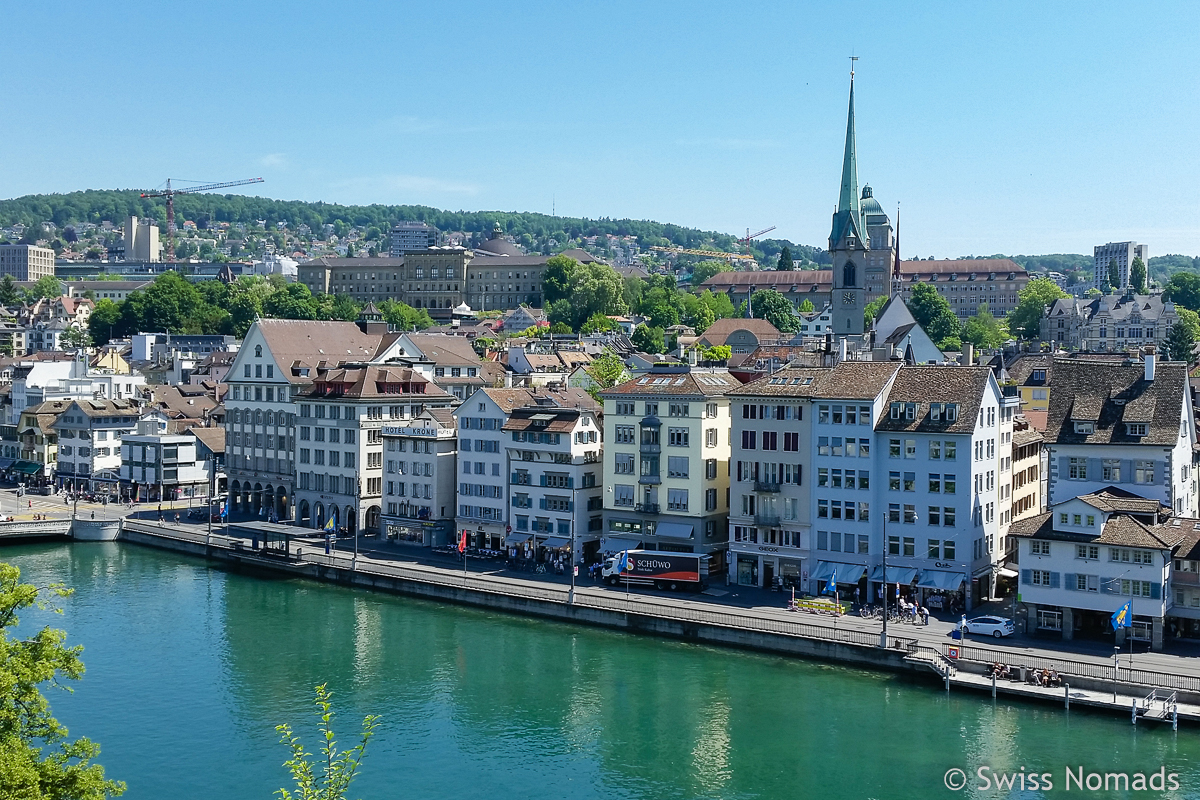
[(952, 652)]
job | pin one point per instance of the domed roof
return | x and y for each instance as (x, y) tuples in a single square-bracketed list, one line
[(870, 207), (496, 245)]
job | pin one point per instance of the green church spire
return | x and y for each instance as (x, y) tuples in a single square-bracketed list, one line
[(848, 217)]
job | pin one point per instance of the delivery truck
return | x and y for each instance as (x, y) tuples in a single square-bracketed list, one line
[(674, 571)]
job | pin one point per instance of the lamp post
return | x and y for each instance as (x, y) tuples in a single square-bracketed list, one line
[(883, 635), (212, 475)]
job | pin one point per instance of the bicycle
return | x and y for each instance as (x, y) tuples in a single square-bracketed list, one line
[(540, 569)]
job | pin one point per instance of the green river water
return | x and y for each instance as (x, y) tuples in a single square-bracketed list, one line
[(190, 668)]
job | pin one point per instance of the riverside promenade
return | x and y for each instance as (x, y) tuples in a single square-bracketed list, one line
[(1166, 689)]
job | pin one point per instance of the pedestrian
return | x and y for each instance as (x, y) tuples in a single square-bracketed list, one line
[(924, 616), (93, 515), (30, 504)]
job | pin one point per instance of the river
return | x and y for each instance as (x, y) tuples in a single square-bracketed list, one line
[(190, 668)]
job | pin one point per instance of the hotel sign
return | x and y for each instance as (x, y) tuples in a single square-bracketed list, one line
[(392, 430)]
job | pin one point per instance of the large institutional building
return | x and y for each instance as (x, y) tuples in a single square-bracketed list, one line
[(26, 262), (1116, 257), (494, 276)]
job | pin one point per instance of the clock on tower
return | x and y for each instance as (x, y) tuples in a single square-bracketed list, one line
[(848, 298)]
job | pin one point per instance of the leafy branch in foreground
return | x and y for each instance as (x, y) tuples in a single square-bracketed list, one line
[(338, 769), (36, 760)]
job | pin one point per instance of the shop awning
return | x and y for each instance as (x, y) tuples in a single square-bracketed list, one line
[(5, 463), (939, 579), (27, 467), (901, 575), (615, 544), (514, 539), (675, 530), (1005, 572), (555, 543), (846, 573)]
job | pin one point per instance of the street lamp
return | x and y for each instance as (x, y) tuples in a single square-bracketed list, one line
[(887, 512)]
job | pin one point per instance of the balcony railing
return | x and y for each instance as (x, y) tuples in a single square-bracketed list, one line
[(647, 447), (766, 518), (766, 486), (646, 508)]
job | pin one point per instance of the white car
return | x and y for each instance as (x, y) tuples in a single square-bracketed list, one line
[(990, 626)]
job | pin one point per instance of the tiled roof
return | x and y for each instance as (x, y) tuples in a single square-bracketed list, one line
[(858, 380), (1116, 499), (1039, 526), (965, 267), (796, 280), (929, 384), (696, 383), (1105, 392), (570, 397), (562, 420), (360, 382), (720, 331), (299, 343), (213, 438), (1125, 531), (1020, 369), (787, 382)]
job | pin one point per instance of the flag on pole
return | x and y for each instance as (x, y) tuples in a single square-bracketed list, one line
[(225, 510), (1123, 616), (329, 525), (831, 587), (623, 563), (462, 541)]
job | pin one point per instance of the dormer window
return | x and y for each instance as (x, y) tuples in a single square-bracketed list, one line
[(895, 411), (1085, 427), (1039, 375), (951, 412), (910, 411), (1135, 428), (935, 412)]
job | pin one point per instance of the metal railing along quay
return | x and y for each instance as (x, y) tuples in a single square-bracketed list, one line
[(682, 610)]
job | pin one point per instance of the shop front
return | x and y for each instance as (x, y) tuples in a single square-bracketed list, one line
[(941, 590), (418, 532), (899, 583), (847, 577)]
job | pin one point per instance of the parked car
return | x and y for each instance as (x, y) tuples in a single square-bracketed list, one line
[(990, 626)]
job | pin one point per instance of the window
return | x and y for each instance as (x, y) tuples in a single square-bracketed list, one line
[(770, 440), (1077, 469), (948, 517), (678, 409), (1040, 577), (1087, 551), (893, 448), (893, 481), (791, 442), (935, 450), (1110, 470), (623, 465), (910, 448), (623, 495), (710, 437), (822, 443), (935, 483), (910, 481), (710, 500), (677, 499), (677, 466), (1085, 427), (1039, 548), (1135, 428), (710, 469), (1143, 472), (950, 450)]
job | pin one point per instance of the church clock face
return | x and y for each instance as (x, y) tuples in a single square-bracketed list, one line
[(848, 298)]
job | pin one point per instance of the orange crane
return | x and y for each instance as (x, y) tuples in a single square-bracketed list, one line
[(170, 193), (749, 236)]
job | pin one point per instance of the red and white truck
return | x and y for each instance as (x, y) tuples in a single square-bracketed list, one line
[(672, 571)]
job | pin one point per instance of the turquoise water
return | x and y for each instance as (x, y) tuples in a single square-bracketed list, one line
[(189, 670)]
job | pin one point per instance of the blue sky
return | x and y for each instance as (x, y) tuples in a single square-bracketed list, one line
[(1016, 127)]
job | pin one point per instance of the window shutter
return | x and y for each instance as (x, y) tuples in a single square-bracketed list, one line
[(1068, 581), (1054, 580), (1155, 591), (1027, 577), (1093, 466)]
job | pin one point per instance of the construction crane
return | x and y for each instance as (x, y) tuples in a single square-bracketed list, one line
[(170, 193), (750, 236)]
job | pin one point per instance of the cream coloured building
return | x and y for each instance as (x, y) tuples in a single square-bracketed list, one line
[(666, 462)]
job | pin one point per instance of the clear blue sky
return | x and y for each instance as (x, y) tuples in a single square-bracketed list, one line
[(1021, 127)]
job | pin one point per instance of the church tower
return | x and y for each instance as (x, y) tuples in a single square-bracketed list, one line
[(849, 243)]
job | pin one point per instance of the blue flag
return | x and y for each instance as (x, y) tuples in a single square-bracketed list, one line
[(623, 563), (831, 587), (329, 524), (1123, 616)]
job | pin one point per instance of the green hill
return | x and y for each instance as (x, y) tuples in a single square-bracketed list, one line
[(537, 232)]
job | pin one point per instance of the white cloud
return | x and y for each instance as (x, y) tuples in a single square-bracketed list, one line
[(274, 160)]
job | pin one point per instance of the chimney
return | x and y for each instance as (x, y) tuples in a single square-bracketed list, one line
[(693, 356), (507, 379), (968, 354), (845, 345), (1149, 367)]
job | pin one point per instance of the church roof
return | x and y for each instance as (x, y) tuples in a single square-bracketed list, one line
[(847, 219)]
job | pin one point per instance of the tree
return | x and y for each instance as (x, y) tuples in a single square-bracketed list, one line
[(932, 312), (983, 330), (404, 316), (338, 769), (719, 304), (1180, 342), (706, 269), (561, 327), (1025, 321), (806, 307), (1114, 276), (1137, 276), (33, 234), (69, 235), (772, 306), (1183, 289), (607, 370), (871, 312), (47, 286), (103, 321), (36, 759), (1190, 320), (558, 278), (76, 337), (8, 292), (717, 353), (598, 323), (648, 339), (785, 259)]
